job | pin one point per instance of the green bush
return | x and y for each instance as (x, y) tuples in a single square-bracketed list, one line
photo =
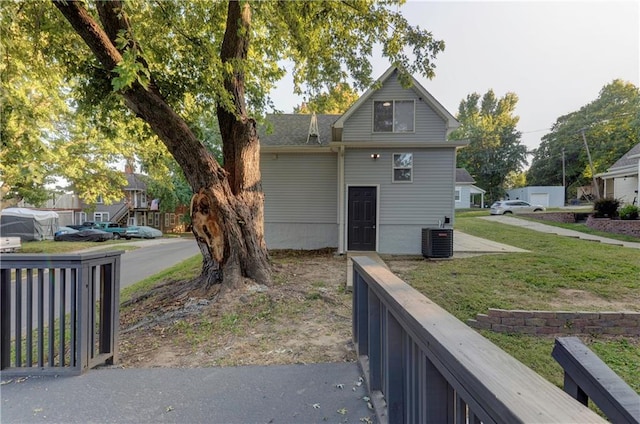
[(606, 207), (629, 212)]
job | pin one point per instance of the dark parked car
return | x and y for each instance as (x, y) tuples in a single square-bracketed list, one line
[(87, 234), (141, 231)]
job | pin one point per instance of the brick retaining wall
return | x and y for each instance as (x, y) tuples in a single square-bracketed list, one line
[(558, 323), (553, 216), (616, 226)]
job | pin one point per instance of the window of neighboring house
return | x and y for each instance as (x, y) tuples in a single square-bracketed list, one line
[(101, 216), (457, 195), (402, 167), (166, 219), (172, 219), (100, 200), (157, 219), (393, 116)]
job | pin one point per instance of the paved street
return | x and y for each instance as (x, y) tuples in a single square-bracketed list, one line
[(154, 256)]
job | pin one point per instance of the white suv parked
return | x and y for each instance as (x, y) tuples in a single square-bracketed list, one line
[(503, 207)]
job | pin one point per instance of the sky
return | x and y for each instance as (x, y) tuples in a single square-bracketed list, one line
[(555, 56)]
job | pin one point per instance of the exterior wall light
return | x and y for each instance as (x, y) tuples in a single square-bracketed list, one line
[(375, 156)]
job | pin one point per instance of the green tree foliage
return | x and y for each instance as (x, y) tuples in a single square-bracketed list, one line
[(611, 125), (495, 149), (59, 105), (175, 63), (52, 129), (515, 180), (336, 101)]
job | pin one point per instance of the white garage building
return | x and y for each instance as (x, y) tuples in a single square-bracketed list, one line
[(547, 196)]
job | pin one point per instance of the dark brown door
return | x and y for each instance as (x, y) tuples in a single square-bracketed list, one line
[(362, 218)]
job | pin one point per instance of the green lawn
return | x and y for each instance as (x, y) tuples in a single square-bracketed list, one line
[(536, 280), (54, 247)]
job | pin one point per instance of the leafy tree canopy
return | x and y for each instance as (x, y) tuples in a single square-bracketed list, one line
[(336, 101), (62, 115), (495, 148), (611, 125)]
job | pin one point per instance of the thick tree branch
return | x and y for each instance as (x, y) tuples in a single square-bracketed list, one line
[(90, 31), (189, 152), (238, 131)]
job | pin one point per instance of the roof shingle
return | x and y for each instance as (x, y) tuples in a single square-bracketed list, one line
[(291, 129)]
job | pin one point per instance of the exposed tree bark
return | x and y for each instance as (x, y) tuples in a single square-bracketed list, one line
[(227, 208)]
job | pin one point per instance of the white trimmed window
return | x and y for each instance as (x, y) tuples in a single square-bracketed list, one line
[(101, 216), (393, 116), (457, 195), (402, 167)]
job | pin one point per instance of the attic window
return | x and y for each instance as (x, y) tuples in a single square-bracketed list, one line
[(393, 116)]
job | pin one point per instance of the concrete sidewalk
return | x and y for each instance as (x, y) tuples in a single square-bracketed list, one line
[(316, 393), (550, 229)]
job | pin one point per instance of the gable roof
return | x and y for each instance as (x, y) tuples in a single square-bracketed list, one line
[(627, 159), (292, 129), (135, 182), (463, 177), (626, 165), (451, 121)]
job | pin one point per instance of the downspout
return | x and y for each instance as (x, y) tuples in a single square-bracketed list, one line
[(341, 202)]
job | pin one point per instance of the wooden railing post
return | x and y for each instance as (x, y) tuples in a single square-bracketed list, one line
[(394, 370), (375, 342), (5, 318)]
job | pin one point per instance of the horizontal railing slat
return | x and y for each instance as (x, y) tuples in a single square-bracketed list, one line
[(493, 384), (618, 401)]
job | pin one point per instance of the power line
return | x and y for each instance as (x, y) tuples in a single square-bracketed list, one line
[(533, 131)]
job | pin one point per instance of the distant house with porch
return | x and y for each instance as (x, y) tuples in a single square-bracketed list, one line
[(621, 179), (369, 179), (467, 195)]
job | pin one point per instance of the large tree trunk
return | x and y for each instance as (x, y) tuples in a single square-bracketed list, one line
[(227, 207)]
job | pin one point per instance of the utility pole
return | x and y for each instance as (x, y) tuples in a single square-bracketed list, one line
[(593, 171), (564, 180)]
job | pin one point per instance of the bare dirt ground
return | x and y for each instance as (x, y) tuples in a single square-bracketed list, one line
[(305, 317)]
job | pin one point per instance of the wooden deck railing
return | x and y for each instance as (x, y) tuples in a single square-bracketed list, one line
[(59, 313), (587, 376), (423, 365)]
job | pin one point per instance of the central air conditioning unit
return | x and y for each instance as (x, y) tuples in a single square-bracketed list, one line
[(437, 242)]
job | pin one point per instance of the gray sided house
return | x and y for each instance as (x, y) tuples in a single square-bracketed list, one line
[(621, 180), (467, 195), (367, 180)]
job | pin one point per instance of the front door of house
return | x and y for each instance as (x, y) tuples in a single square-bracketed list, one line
[(362, 218)]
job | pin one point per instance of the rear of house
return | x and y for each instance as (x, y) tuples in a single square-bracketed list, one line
[(367, 180)]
